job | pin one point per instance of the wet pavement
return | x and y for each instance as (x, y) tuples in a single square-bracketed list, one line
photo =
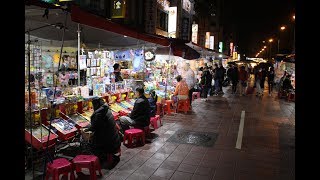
[(267, 151), (201, 145)]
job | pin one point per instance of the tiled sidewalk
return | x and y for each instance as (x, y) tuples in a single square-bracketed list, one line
[(268, 145)]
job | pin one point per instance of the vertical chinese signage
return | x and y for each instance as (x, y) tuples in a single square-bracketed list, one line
[(185, 29), (186, 5), (211, 42), (118, 9), (207, 42), (194, 37), (235, 55), (172, 23), (220, 47), (231, 48), (151, 9)]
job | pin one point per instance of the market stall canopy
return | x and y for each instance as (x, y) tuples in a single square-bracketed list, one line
[(205, 51), (290, 58), (179, 48), (92, 36), (81, 16)]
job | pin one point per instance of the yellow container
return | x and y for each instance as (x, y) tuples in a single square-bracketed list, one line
[(58, 113), (75, 107), (89, 105)]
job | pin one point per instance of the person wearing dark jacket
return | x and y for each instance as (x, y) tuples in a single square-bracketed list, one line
[(140, 115), (234, 77), (222, 72), (263, 78), (206, 79), (105, 138), (153, 103), (270, 80)]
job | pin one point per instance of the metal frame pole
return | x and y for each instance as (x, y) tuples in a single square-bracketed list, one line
[(78, 54)]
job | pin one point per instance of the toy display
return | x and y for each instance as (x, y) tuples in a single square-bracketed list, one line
[(39, 137), (80, 121)]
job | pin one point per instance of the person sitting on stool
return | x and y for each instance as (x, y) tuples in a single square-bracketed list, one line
[(140, 115), (104, 137)]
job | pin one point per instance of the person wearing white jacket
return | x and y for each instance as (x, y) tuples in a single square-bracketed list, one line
[(190, 79)]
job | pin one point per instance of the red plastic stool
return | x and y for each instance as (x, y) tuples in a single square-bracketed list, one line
[(59, 166), (195, 94), (131, 134), (168, 104), (87, 161), (154, 121), (291, 97), (160, 110), (183, 105)]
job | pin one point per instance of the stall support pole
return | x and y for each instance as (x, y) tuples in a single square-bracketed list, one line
[(78, 54), (29, 103)]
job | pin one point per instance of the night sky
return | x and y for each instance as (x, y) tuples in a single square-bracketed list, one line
[(256, 20)]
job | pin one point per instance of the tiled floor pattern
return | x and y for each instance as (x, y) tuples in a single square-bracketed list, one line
[(268, 145)]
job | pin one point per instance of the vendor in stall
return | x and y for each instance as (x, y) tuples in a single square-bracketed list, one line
[(104, 132), (117, 73)]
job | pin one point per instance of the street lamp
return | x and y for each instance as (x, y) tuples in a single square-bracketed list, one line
[(282, 28), (294, 33), (270, 41)]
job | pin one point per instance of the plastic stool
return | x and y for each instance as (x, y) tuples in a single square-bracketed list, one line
[(154, 121), (291, 97), (183, 105), (59, 166), (197, 94), (145, 129), (168, 105), (130, 134), (159, 109), (87, 161)]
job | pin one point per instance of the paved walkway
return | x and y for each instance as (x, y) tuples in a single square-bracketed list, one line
[(267, 149)]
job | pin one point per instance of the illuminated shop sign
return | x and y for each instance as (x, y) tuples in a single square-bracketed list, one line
[(172, 22), (194, 37), (186, 5), (207, 42), (211, 41), (220, 47), (118, 9), (164, 4)]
